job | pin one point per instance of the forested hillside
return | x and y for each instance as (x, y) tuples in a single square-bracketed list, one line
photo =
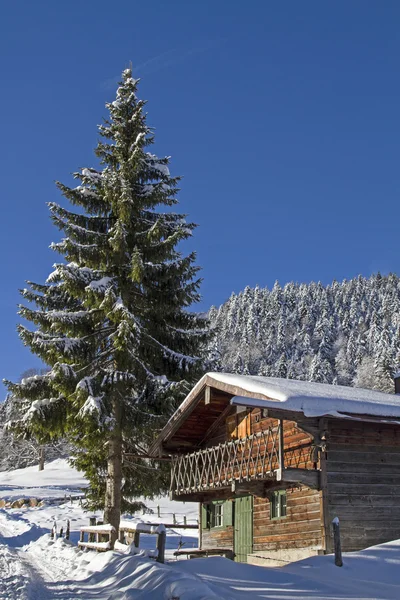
[(345, 333)]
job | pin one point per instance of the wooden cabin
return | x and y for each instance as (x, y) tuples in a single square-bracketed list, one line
[(273, 461)]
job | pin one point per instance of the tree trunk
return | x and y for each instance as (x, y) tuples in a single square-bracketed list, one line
[(112, 508), (41, 458)]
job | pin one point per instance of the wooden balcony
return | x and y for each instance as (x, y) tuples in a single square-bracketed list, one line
[(255, 458)]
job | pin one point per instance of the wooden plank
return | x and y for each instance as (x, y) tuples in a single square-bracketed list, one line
[(305, 517), (281, 447), (294, 511), (314, 534), (360, 513), (207, 395), (340, 498), (282, 527), (314, 542), (376, 449), (364, 467), (365, 489), (308, 477), (362, 479)]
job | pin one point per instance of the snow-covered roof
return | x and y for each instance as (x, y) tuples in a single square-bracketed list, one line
[(312, 399), (309, 399)]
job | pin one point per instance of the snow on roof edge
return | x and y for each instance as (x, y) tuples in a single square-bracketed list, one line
[(269, 404), (312, 399)]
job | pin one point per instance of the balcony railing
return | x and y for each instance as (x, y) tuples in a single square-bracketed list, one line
[(253, 458)]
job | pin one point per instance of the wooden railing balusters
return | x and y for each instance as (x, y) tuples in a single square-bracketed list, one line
[(253, 457)]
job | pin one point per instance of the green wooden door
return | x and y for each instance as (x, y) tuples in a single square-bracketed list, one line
[(243, 543)]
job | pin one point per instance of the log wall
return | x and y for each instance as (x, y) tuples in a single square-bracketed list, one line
[(218, 537), (363, 482), (301, 528)]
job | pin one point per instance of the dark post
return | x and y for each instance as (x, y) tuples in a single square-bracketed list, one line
[(53, 534), (92, 523), (136, 539), (336, 542), (161, 539), (68, 530), (101, 537), (121, 536)]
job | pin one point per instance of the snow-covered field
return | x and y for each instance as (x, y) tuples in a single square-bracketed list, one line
[(34, 567)]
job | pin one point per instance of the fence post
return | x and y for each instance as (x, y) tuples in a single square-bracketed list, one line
[(184, 520), (336, 541), (158, 511), (174, 518), (161, 539), (136, 539), (53, 533), (68, 530), (92, 523), (121, 536)]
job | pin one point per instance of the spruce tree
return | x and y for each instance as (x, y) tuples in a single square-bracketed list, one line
[(112, 321)]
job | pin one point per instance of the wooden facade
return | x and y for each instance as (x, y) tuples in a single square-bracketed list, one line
[(240, 462)]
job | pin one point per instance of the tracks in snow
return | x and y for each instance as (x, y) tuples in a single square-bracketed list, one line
[(22, 577), (18, 581)]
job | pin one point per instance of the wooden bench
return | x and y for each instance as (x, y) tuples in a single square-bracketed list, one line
[(133, 530), (96, 535), (197, 553)]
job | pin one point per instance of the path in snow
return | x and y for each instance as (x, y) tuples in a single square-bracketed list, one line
[(19, 580), (21, 575)]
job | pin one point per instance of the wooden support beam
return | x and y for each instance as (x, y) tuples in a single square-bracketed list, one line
[(324, 507), (281, 446), (214, 427), (308, 477), (207, 395), (251, 488)]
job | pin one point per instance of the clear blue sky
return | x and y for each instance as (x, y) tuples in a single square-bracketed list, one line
[(282, 117)]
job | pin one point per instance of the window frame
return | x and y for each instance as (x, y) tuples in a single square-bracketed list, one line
[(216, 515), (278, 505), (213, 514)]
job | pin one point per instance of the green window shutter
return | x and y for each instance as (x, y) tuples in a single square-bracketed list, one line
[(228, 513), (204, 516)]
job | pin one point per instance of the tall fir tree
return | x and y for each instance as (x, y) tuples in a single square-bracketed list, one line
[(112, 322)]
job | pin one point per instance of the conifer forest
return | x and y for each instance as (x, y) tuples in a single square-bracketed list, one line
[(345, 333)]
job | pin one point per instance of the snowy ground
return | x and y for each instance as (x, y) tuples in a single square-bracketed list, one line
[(34, 567)]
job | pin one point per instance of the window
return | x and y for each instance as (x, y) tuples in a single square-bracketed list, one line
[(217, 513), (278, 504), (214, 515)]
